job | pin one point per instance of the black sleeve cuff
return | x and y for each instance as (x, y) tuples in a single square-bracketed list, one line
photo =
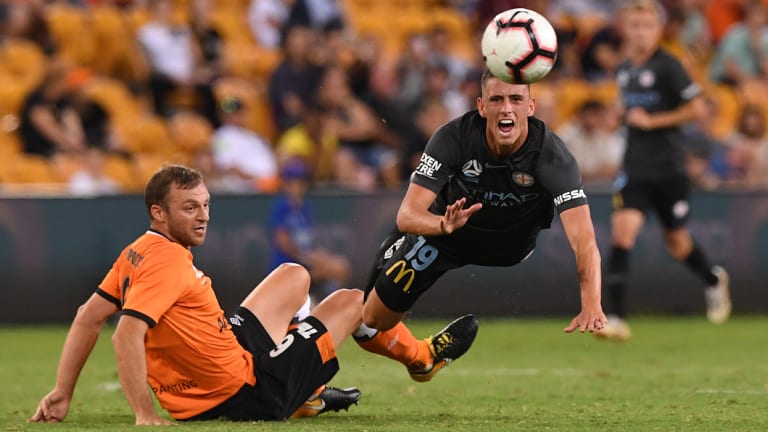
[(109, 298), (136, 314)]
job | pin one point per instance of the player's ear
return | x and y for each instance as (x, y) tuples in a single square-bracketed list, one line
[(532, 107), (480, 107), (157, 213)]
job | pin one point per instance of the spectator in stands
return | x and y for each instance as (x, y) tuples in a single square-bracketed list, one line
[(367, 154), (266, 19), (294, 80), (595, 142), (215, 179), (48, 122), (438, 87), (442, 51), (209, 40), (743, 52), (92, 179), (175, 63), (701, 146), (26, 20), (246, 159), (397, 119), (412, 70), (696, 34), (721, 15), (743, 161), (430, 116), (311, 142), (316, 14), (293, 235), (603, 52)]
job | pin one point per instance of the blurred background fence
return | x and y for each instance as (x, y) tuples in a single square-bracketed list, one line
[(54, 252)]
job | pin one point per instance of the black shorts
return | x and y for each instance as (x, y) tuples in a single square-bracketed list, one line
[(286, 374), (667, 196), (407, 265)]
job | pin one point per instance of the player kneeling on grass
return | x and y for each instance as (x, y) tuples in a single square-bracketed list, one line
[(173, 334)]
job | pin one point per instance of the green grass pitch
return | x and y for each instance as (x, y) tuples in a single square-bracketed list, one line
[(676, 374)]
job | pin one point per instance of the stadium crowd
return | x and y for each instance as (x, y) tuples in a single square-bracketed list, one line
[(95, 95)]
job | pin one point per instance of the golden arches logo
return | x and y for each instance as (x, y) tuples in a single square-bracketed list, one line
[(401, 274)]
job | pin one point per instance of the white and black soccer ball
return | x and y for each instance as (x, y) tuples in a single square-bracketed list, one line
[(519, 46)]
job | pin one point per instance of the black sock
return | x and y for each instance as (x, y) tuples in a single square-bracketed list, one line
[(698, 262), (616, 280)]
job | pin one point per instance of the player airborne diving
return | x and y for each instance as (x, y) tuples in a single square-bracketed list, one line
[(488, 182)]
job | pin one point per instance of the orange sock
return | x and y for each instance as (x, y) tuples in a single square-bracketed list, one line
[(398, 343)]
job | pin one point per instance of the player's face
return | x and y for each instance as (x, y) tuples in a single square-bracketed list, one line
[(506, 108), (642, 30), (186, 215)]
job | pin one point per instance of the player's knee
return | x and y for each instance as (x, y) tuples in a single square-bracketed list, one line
[(678, 250), (377, 321), (350, 303), (297, 273)]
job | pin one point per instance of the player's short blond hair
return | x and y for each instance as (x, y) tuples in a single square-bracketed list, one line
[(645, 6)]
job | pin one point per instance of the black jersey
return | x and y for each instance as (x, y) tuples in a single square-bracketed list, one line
[(519, 193), (660, 84)]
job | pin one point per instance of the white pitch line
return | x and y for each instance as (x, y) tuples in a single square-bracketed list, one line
[(732, 391), (516, 372)]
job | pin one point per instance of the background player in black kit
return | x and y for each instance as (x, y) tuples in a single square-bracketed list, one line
[(658, 96), (488, 182)]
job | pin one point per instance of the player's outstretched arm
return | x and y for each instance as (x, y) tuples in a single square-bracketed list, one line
[(414, 216), (577, 224), (78, 345), (128, 341)]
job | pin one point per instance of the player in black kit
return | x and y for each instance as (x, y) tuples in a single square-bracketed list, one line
[(658, 96), (488, 182)]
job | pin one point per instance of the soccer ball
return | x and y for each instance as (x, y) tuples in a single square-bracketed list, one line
[(519, 46)]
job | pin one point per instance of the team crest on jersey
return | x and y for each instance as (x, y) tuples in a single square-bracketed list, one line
[(680, 209), (646, 78), (472, 169), (522, 179)]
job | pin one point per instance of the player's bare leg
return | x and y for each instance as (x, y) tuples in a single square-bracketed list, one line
[(423, 358), (276, 300), (278, 297)]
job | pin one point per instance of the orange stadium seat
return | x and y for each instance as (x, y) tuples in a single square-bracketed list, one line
[(70, 28), (114, 96), (65, 165), (249, 60), (29, 169), (573, 92), (122, 171), (147, 133), (191, 132), (22, 65), (10, 144), (728, 107), (118, 49), (146, 164)]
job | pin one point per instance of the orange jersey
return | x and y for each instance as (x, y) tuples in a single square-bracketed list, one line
[(194, 361)]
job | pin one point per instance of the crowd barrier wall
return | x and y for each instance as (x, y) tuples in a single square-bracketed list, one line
[(55, 251)]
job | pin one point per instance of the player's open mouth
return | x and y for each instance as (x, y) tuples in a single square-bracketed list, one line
[(506, 125)]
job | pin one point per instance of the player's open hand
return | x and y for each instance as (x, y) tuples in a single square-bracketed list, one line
[(639, 118), (456, 215), (588, 320), (53, 407)]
